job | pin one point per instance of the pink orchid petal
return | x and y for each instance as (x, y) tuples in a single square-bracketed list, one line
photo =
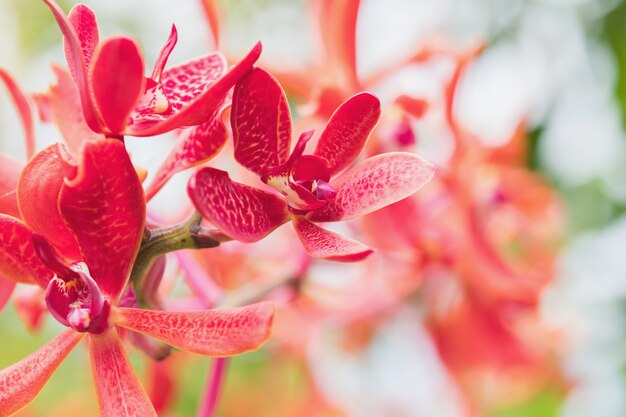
[(212, 15), (374, 184), (118, 81), (64, 101), (167, 49), (194, 146), (194, 99), (21, 382), (244, 213), (338, 28), (105, 208), (261, 122), (18, 260), (322, 243), (78, 67), (6, 289), (347, 131), (10, 170), (120, 393), (85, 25), (23, 106), (218, 332), (38, 196)]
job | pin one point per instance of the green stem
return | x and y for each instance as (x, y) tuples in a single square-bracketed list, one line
[(157, 242)]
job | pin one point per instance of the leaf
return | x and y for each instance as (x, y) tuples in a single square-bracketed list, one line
[(261, 123), (217, 332)]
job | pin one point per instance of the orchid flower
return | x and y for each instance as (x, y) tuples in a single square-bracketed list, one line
[(97, 219), (261, 125), (117, 99)]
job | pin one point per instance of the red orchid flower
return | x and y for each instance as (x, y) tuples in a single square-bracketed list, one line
[(117, 99), (261, 125), (99, 212)]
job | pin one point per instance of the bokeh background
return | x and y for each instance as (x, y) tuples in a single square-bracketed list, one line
[(558, 64)]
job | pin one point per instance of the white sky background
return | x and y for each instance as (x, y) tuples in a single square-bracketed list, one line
[(545, 67)]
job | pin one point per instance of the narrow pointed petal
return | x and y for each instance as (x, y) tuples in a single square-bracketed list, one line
[(338, 28), (218, 332), (194, 146), (18, 260), (211, 13), (374, 184), (322, 243), (78, 67), (120, 393), (24, 109), (10, 170), (347, 131), (21, 382), (244, 213), (167, 49), (193, 103), (6, 289), (105, 208), (66, 109), (38, 197), (118, 81), (261, 122), (84, 22)]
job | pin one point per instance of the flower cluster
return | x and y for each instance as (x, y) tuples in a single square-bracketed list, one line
[(74, 221)]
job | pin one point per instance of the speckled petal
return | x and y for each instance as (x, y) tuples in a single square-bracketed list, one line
[(347, 131), (374, 184), (120, 393), (261, 123), (322, 243), (244, 213), (105, 208), (20, 383), (218, 332), (38, 197)]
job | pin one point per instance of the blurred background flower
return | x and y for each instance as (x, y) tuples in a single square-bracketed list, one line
[(556, 66)]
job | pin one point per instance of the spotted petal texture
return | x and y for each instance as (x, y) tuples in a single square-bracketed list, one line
[(218, 332), (38, 197), (118, 81), (321, 243), (261, 122), (21, 382), (373, 184), (347, 131), (23, 107), (78, 67), (194, 146), (18, 260), (120, 393), (193, 94), (9, 173), (244, 213), (105, 208), (85, 25)]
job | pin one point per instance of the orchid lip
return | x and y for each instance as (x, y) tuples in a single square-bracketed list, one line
[(77, 301)]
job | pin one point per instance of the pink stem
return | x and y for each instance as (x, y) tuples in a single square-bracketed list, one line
[(214, 388)]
